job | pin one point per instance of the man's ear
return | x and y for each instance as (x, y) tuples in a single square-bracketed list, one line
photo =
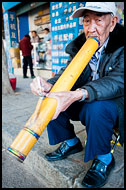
[(113, 23)]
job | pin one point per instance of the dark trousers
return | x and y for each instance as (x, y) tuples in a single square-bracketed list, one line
[(99, 117), (27, 60)]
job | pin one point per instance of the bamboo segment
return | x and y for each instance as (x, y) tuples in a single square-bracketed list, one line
[(46, 108)]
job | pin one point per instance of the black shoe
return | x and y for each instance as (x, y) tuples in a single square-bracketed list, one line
[(25, 77), (98, 174), (33, 76), (63, 151)]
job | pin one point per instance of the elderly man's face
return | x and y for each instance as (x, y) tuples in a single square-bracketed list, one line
[(98, 25)]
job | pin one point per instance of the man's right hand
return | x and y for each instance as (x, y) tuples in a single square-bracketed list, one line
[(44, 87)]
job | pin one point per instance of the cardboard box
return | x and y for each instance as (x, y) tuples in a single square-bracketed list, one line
[(45, 11), (37, 21), (45, 18), (16, 63), (14, 52), (42, 20)]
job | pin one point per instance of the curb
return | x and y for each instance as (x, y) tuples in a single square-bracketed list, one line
[(50, 171)]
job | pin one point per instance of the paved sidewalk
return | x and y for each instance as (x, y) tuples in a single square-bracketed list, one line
[(67, 173), (17, 175)]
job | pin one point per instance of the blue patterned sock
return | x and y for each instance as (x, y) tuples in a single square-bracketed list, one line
[(106, 158), (72, 142)]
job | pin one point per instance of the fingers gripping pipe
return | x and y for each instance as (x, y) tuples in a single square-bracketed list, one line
[(46, 108)]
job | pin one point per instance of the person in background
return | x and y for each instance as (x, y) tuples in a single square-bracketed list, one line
[(35, 37), (97, 97), (26, 48), (47, 36)]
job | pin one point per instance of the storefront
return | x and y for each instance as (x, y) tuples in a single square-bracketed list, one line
[(22, 18), (39, 19)]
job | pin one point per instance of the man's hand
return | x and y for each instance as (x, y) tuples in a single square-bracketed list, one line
[(42, 87), (64, 100)]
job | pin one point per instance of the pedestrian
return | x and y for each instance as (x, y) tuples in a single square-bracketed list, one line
[(96, 99), (47, 36), (26, 48), (35, 37)]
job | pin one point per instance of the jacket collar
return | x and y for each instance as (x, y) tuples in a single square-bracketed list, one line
[(116, 40)]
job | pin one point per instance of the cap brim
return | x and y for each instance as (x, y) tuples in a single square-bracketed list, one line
[(80, 11)]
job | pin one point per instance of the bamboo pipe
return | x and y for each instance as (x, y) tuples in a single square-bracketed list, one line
[(46, 108)]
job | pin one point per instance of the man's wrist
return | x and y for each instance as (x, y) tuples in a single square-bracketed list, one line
[(84, 94)]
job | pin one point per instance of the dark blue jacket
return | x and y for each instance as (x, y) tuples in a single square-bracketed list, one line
[(110, 85)]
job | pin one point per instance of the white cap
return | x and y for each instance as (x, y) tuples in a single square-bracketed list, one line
[(103, 7)]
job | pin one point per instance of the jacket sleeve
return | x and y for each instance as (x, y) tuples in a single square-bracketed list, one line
[(111, 84)]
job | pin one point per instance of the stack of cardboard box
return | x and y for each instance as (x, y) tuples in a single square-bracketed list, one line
[(15, 56)]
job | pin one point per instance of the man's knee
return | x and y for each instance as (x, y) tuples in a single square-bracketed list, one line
[(97, 110)]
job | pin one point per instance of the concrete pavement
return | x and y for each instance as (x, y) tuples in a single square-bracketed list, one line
[(16, 175), (67, 173)]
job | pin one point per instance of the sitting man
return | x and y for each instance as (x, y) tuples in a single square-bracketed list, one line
[(96, 99)]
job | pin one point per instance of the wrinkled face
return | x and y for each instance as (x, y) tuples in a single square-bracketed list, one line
[(98, 25)]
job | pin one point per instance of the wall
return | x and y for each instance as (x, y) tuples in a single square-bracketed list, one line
[(23, 25)]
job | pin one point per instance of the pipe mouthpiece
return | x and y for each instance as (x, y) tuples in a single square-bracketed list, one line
[(96, 40)]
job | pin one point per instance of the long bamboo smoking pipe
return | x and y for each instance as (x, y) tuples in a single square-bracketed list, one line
[(46, 108)]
